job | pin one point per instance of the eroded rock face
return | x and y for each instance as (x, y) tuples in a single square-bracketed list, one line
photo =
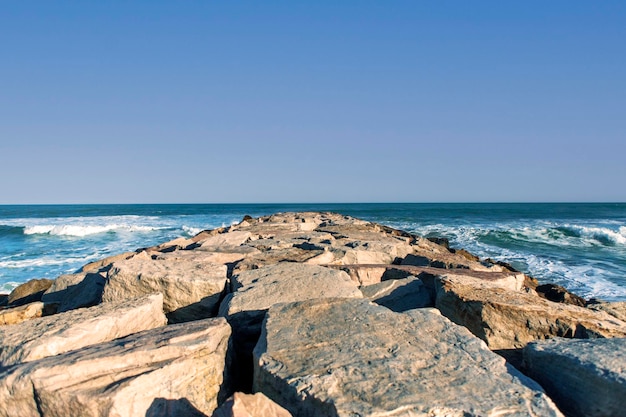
[(74, 291), (399, 294), (586, 378), (250, 405), (507, 319), (172, 371), (347, 357), (191, 288), (52, 335), (22, 313)]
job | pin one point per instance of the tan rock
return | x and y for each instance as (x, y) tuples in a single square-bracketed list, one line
[(250, 405), (256, 290), (348, 357), (172, 371), (191, 289), (73, 291), (615, 309), (273, 257), (47, 336), (232, 238), (21, 313), (507, 319), (29, 292)]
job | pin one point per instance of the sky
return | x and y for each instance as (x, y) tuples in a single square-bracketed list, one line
[(301, 101)]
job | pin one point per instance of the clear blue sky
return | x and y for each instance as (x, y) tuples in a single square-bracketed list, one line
[(342, 101)]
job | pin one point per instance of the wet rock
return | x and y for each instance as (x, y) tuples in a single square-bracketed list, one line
[(559, 294), (47, 336), (585, 378), (145, 374), (191, 288), (348, 357)]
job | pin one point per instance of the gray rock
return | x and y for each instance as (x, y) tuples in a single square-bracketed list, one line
[(47, 336), (191, 288), (585, 378), (75, 291), (250, 405), (172, 371), (399, 294), (350, 357)]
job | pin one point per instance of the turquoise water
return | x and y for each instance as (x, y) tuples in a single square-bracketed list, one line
[(580, 246)]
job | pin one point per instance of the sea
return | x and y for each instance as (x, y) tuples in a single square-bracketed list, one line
[(579, 246)]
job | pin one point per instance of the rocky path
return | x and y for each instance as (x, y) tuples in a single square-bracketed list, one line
[(307, 314)]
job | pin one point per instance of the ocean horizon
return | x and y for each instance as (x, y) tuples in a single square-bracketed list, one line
[(581, 246)]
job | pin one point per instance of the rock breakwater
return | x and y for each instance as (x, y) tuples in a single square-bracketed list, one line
[(316, 314)]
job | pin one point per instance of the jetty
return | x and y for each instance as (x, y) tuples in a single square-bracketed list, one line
[(307, 314)]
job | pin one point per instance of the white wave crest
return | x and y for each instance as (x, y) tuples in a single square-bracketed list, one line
[(191, 231), (600, 234), (81, 230)]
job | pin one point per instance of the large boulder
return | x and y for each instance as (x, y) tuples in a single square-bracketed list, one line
[(191, 288), (29, 292), (586, 378), (73, 291), (508, 319), (348, 357), (172, 371), (250, 405), (52, 335), (256, 290)]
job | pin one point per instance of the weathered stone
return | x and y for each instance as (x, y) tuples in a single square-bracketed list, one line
[(21, 313), (4, 300), (507, 319), (172, 371), (233, 238), (250, 405), (272, 257), (29, 292), (349, 357), (191, 289), (616, 309), (256, 290), (75, 291), (585, 378), (399, 294), (52, 335)]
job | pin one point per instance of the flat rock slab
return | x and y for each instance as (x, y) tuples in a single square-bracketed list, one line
[(191, 288), (507, 319), (52, 335), (586, 378), (171, 371), (256, 290), (250, 405), (350, 357)]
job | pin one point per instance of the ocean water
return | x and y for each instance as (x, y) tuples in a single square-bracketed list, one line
[(579, 246)]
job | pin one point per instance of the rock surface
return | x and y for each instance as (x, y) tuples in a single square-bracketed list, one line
[(52, 335), (146, 374), (586, 378), (22, 313), (399, 294), (507, 319), (29, 292), (349, 357), (250, 405), (74, 291), (191, 288)]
